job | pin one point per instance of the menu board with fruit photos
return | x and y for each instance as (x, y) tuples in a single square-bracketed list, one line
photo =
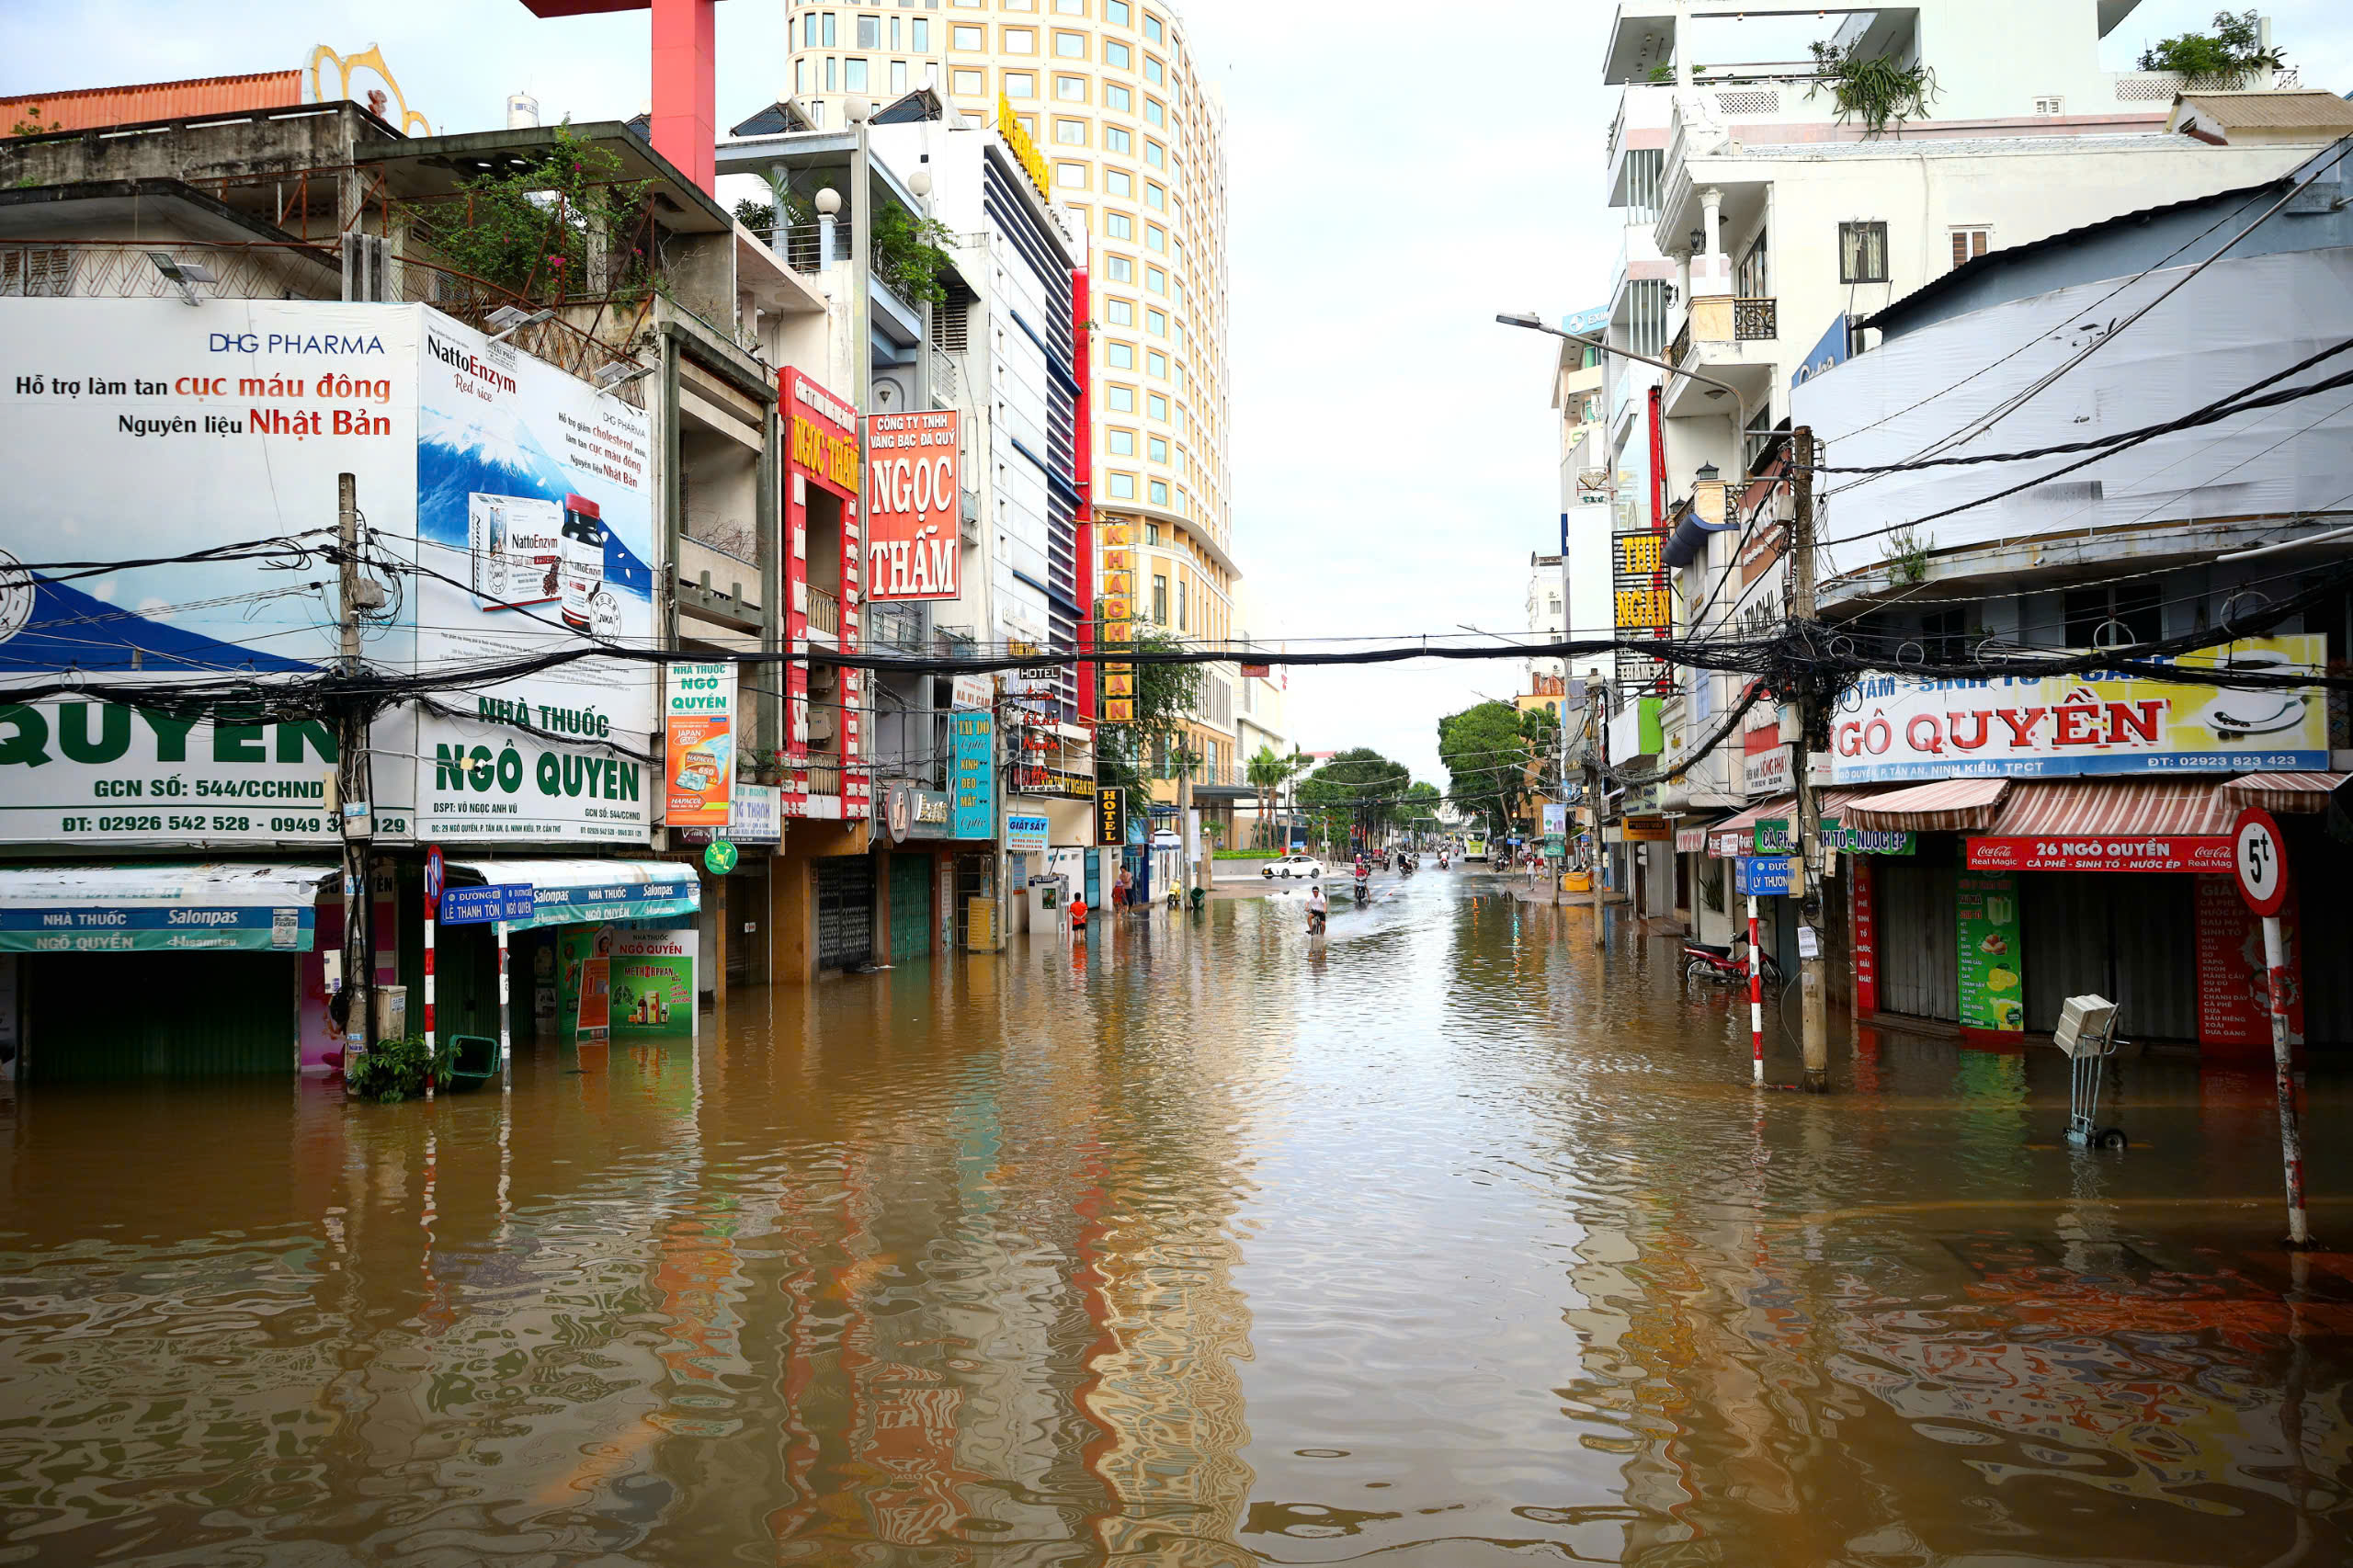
[(1993, 991)]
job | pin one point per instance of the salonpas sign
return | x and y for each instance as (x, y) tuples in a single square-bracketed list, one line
[(2098, 723), (507, 509)]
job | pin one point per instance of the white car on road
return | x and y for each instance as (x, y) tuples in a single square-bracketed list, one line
[(1292, 866)]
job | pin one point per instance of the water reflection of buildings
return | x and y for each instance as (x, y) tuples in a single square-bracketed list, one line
[(1818, 1392), (1001, 1331)]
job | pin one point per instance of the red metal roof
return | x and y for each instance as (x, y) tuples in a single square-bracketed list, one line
[(2091, 808), (85, 108)]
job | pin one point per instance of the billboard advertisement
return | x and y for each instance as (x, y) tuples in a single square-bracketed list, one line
[(698, 745), (506, 504), (2035, 727), (913, 505), (534, 534)]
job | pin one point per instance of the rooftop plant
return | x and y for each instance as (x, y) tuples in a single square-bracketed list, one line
[(1872, 88), (2234, 48)]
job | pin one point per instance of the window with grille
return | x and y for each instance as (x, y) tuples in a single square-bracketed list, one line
[(1862, 252), (952, 325), (1968, 245), (36, 271)]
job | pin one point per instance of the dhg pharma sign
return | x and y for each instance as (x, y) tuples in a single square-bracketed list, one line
[(514, 495)]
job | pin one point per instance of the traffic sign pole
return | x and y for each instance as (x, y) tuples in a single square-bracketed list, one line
[(2258, 858), (435, 877), (1756, 998)]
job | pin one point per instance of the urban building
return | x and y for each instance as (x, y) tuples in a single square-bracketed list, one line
[(1764, 230), (1579, 396), (1132, 145), (575, 453), (998, 346), (2030, 840), (1547, 611)]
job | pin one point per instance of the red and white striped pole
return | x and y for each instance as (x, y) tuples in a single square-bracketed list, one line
[(1756, 998), (430, 922), (2292, 1142)]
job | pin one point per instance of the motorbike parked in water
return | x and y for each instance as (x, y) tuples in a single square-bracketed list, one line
[(1727, 964)]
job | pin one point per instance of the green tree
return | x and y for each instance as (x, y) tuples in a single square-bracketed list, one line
[(910, 254), (1419, 809), (1486, 756), (1165, 696), (2234, 48), (1268, 772), (1357, 788), (559, 227)]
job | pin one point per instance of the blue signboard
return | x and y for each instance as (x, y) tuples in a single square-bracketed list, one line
[(974, 785), (1757, 876), (482, 907), (112, 928), (1827, 355)]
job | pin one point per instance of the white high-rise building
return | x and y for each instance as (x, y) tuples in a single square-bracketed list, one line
[(1108, 91)]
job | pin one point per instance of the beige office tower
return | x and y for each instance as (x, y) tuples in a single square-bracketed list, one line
[(1135, 146)]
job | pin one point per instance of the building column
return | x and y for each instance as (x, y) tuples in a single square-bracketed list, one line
[(1711, 219), (793, 919)]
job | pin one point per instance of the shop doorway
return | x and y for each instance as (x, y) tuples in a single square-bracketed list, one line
[(910, 908), (90, 1018), (2127, 937), (1920, 940), (845, 912)]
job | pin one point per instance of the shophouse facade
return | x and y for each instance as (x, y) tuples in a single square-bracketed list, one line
[(544, 468), (1762, 234)]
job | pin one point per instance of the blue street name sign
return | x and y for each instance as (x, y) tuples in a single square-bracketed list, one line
[(1757, 877), (480, 906)]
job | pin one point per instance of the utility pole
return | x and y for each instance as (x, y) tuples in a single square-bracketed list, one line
[(1593, 801), (1812, 1004), (355, 802)]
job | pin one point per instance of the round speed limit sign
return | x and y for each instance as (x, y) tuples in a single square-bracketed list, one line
[(2260, 861)]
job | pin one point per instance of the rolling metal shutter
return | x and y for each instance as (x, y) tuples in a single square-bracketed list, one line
[(1920, 941), (2130, 938), (845, 911), (91, 1016)]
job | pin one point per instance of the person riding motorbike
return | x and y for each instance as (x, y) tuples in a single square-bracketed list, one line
[(1319, 909)]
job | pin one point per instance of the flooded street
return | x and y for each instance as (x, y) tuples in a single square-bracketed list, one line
[(1451, 1243)]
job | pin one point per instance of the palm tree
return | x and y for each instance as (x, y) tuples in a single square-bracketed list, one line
[(1267, 773)]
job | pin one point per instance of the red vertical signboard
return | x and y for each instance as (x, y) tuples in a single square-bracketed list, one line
[(2234, 987), (1866, 936), (1082, 477), (913, 505)]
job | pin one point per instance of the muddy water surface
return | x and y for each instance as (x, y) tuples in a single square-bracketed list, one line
[(1448, 1242)]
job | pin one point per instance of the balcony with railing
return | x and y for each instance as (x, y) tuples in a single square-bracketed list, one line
[(825, 612), (898, 627), (578, 338)]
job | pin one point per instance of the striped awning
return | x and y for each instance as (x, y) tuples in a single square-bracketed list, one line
[(2284, 792), (2107, 808), (1736, 835), (1732, 836), (1950, 805)]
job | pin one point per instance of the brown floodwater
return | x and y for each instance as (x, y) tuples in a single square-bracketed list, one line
[(1451, 1243)]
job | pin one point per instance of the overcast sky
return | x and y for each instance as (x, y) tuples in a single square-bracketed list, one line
[(1397, 180)]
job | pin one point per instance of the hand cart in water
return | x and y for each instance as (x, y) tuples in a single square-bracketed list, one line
[(2087, 1033)]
